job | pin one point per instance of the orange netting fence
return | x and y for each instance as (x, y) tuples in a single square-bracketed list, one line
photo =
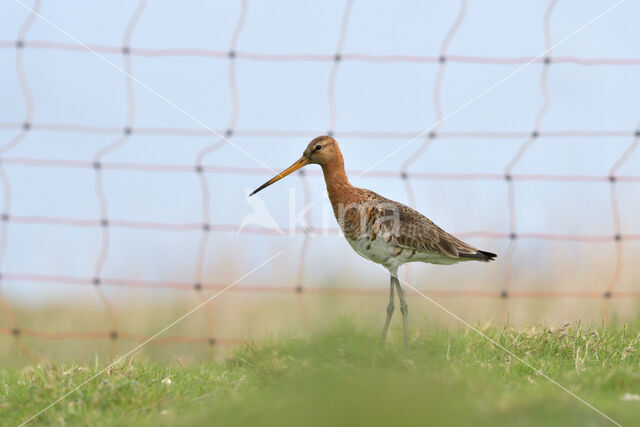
[(122, 134)]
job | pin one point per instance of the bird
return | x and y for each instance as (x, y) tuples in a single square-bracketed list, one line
[(379, 229)]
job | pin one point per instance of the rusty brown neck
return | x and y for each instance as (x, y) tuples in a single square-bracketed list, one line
[(340, 190)]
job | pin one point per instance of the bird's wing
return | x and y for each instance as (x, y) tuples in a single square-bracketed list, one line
[(409, 229)]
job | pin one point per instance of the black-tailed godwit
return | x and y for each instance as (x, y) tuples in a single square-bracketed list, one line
[(379, 229)]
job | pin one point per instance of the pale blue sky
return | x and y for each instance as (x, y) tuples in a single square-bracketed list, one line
[(79, 88)]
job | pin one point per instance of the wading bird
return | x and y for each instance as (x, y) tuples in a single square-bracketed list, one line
[(379, 229)]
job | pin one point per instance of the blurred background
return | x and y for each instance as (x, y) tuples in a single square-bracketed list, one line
[(132, 131)]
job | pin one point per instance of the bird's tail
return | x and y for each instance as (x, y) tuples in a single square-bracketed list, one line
[(480, 256)]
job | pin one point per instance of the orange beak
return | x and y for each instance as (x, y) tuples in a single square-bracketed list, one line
[(288, 171)]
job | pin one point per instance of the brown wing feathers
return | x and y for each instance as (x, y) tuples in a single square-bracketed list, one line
[(419, 233)]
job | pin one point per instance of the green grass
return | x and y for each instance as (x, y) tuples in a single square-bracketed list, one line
[(344, 376)]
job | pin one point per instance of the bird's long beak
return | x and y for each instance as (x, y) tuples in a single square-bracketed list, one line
[(294, 167)]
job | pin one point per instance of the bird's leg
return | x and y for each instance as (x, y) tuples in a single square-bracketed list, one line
[(390, 309), (404, 308)]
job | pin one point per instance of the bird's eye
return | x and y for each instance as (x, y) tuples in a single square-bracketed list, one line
[(318, 147)]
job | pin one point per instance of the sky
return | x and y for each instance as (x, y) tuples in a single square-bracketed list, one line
[(280, 104)]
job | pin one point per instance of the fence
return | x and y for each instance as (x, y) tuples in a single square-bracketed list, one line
[(122, 135)]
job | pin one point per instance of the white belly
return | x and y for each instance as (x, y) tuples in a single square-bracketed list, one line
[(389, 255), (376, 250)]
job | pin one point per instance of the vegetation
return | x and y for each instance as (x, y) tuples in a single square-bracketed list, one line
[(345, 376)]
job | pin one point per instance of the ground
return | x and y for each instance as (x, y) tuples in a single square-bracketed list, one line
[(345, 376)]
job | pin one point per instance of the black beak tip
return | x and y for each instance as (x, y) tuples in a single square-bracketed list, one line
[(256, 190)]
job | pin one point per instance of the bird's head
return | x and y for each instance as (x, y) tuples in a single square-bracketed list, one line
[(321, 151)]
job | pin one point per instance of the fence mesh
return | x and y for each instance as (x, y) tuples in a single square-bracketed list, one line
[(408, 177)]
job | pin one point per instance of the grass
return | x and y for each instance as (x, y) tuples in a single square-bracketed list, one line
[(345, 377)]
